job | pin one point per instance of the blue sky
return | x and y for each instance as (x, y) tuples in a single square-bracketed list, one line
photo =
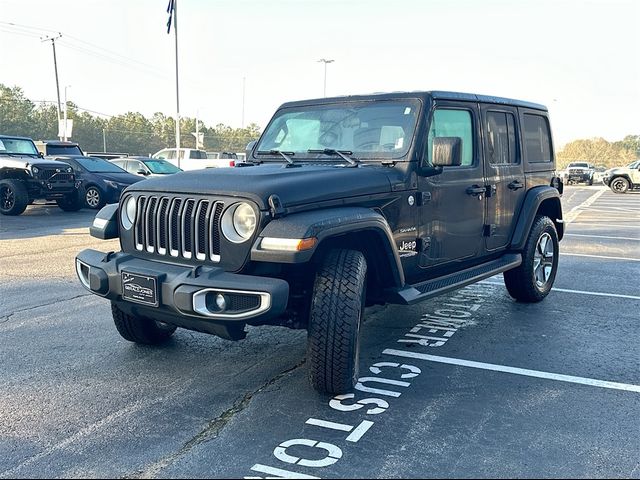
[(580, 58)]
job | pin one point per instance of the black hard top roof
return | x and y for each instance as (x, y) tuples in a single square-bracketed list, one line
[(60, 143), (424, 95)]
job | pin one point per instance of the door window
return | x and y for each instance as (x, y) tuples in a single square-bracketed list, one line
[(500, 145), (452, 123)]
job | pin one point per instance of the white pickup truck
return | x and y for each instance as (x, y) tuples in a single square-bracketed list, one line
[(188, 158)]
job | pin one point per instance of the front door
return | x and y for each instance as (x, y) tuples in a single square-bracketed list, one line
[(503, 172), (452, 202)]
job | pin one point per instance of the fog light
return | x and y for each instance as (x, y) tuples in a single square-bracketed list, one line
[(221, 302), (82, 269)]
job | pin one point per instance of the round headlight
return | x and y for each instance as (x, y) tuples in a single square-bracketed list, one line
[(238, 222), (69, 170), (35, 170), (128, 212)]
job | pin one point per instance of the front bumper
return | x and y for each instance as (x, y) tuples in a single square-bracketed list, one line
[(578, 177), (606, 180), (186, 295), (51, 189)]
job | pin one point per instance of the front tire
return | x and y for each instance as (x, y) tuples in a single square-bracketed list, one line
[(70, 203), (140, 329), (619, 185), (94, 198), (336, 312), (533, 279), (14, 197)]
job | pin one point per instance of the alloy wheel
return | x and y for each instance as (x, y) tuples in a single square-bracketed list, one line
[(543, 260), (7, 198)]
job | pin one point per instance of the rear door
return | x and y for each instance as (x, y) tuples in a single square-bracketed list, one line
[(504, 172)]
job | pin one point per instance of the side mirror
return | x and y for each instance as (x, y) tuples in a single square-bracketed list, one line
[(447, 151), (41, 154), (142, 172), (249, 148)]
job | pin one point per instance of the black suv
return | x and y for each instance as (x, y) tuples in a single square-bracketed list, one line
[(342, 203), (25, 176)]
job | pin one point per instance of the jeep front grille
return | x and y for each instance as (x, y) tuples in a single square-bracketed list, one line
[(52, 175), (178, 227)]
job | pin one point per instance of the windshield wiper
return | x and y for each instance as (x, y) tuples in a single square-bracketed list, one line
[(285, 155), (341, 153)]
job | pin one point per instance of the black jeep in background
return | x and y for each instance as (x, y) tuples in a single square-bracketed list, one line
[(25, 176), (342, 203)]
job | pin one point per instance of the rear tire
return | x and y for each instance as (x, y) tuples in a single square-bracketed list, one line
[(336, 312), (14, 197), (533, 279), (140, 329)]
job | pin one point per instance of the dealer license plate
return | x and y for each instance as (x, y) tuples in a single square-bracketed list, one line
[(140, 288)]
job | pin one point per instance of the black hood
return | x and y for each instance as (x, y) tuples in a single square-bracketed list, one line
[(294, 186)]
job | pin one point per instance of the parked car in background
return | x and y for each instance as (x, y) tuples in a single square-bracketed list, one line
[(25, 176), (58, 147), (598, 174), (146, 167), (580, 172), (102, 181), (622, 179)]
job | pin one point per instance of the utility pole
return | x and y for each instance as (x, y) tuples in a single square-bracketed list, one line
[(55, 66), (325, 73)]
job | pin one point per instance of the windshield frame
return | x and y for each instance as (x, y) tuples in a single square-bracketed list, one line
[(303, 156)]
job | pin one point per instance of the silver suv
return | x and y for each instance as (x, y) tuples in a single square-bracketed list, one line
[(621, 179)]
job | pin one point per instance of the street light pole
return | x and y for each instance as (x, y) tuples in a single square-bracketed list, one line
[(65, 113), (325, 61), (175, 31)]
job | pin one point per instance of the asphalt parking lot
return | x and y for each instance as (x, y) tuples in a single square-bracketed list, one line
[(503, 390)]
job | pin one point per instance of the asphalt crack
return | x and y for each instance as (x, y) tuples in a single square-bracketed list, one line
[(211, 431), (5, 318)]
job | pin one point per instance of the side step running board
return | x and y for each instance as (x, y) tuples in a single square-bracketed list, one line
[(411, 294)]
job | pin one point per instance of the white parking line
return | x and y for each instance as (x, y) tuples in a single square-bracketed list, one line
[(637, 239), (580, 292), (627, 259), (514, 370), (575, 211), (600, 224)]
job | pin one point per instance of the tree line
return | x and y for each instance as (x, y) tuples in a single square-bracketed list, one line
[(131, 133)]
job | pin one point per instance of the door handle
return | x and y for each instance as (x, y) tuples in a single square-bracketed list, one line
[(515, 185), (475, 190)]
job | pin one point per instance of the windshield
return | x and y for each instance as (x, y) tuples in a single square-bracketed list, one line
[(581, 165), (635, 164), (98, 165), (17, 146), (64, 150), (161, 166), (380, 129)]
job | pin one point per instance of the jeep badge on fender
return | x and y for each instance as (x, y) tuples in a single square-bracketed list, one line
[(342, 203)]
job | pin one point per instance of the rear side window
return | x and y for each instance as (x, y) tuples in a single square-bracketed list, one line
[(500, 145), (537, 138), (452, 123)]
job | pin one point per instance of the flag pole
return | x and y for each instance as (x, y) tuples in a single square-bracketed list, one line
[(175, 31)]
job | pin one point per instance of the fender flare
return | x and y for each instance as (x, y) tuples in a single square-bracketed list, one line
[(323, 225), (533, 200)]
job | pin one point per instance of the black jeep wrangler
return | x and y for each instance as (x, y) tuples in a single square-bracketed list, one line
[(342, 203), (25, 176)]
